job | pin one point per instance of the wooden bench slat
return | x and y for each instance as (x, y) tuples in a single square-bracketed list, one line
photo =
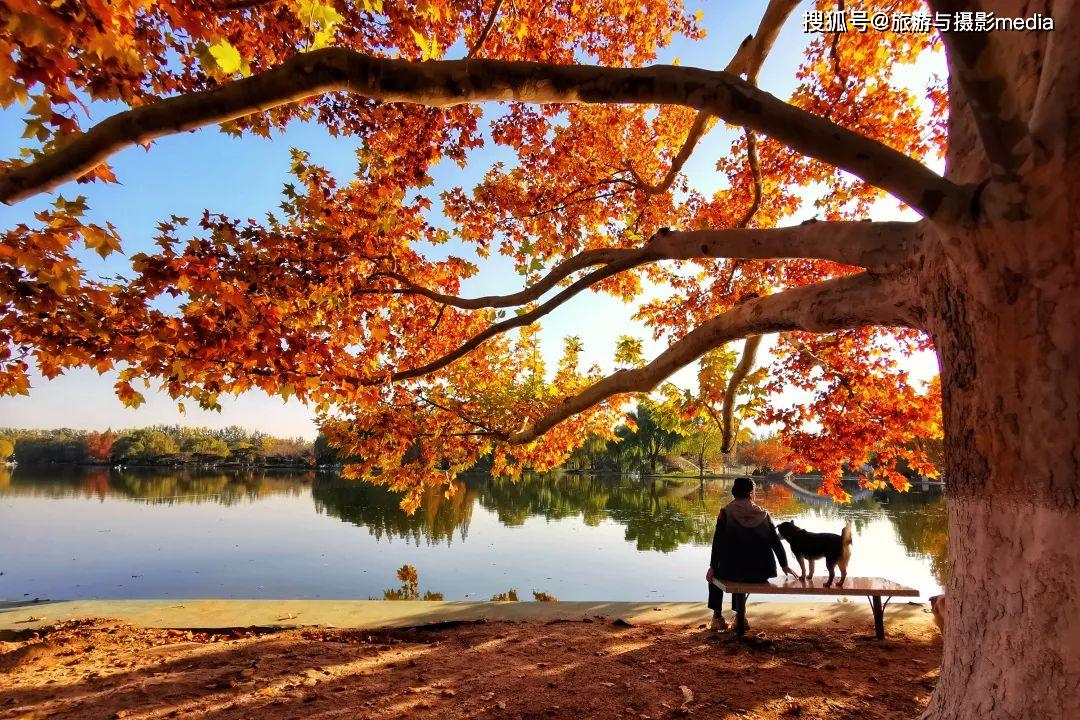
[(865, 586)]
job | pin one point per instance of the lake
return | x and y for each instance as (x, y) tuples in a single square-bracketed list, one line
[(70, 533)]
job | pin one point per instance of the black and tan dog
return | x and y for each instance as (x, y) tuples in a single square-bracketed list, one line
[(836, 549)]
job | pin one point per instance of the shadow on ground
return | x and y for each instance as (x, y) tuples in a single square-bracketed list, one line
[(594, 668)]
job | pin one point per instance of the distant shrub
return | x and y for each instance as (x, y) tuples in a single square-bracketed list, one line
[(508, 596), (543, 597)]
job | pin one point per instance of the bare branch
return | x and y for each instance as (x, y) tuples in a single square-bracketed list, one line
[(727, 419), (697, 130), (755, 48), (976, 62), (226, 7), (847, 302), (747, 60), (841, 377), (834, 48), (876, 246), (755, 173), (584, 259), (486, 29), (525, 318), (453, 82)]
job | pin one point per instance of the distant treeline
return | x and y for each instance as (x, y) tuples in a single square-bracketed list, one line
[(161, 445), (645, 442)]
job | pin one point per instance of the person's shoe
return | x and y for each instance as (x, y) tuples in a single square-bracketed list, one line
[(718, 624)]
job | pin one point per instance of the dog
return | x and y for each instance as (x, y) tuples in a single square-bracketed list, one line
[(940, 608), (836, 549)]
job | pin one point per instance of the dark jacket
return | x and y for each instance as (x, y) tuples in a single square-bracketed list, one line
[(745, 554)]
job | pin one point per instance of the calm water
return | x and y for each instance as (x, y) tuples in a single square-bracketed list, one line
[(100, 533)]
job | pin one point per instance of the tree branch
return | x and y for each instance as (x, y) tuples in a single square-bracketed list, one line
[(693, 135), (453, 82), (755, 48), (1000, 119), (727, 417), (755, 174), (841, 303), (525, 318), (584, 259), (877, 246), (747, 60), (226, 7), (841, 377), (486, 29)]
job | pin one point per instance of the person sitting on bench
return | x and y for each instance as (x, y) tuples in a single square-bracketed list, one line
[(743, 546)]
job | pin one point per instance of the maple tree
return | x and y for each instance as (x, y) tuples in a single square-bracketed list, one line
[(336, 300), (765, 454), (99, 445)]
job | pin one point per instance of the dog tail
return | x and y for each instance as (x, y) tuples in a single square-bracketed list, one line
[(845, 547)]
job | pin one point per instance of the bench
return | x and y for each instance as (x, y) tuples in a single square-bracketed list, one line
[(874, 589)]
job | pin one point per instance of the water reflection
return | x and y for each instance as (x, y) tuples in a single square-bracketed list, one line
[(156, 485), (553, 510), (379, 510)]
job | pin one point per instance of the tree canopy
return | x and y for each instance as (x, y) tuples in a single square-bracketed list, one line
[(336, 296)]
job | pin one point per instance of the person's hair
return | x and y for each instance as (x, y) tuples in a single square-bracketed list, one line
[(742, 487)]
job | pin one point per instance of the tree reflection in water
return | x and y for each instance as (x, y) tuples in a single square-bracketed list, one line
[(658, 514), (379, 510), (157, 485), (923, 527)]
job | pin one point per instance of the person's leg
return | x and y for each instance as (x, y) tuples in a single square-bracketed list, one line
[(716, 598), (738, 604), (716, 604)]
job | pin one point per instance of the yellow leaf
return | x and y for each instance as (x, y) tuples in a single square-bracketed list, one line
[(227, 58), (429, 47), (128, 395), (99, 240)]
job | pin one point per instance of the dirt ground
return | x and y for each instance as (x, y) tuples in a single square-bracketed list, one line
[(597, 668)]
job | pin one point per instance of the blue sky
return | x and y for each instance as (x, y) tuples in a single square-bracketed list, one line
[(188, 173)]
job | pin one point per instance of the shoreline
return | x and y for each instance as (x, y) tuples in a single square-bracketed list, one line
[(207, 614)]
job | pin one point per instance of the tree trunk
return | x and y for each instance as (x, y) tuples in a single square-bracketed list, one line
[(1003, 297), (1011, 383)]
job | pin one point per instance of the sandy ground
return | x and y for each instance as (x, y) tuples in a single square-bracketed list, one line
[(596, 668)]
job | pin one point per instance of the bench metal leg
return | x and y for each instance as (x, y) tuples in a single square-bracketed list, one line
[(879, 616), (740, 613)]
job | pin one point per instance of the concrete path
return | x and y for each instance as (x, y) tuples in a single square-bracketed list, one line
[(212, 614)]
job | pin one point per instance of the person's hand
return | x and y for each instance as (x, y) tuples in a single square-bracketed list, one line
[(789, 571), (709, 575)]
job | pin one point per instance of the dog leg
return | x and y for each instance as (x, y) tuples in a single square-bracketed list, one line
[(802, 567), (811, 576), (832, 573), (843, 571)]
